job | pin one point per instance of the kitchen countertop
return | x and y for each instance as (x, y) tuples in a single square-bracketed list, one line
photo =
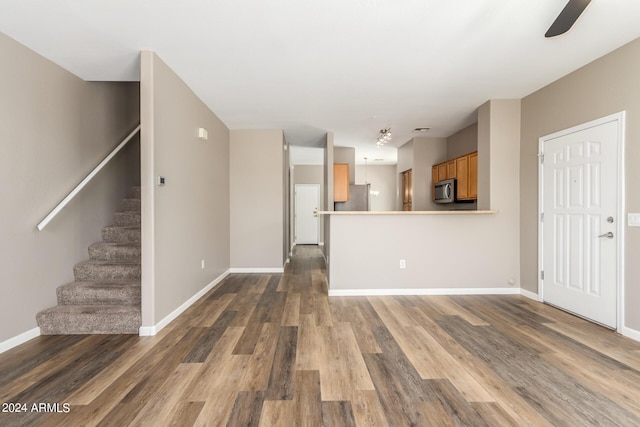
[(451, 212)]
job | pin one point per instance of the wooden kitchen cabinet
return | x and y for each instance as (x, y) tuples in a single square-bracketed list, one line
[(341, 182), (462, 175), (434, 179), (442, 172), (473, 175), (451, 169), (464, 169)]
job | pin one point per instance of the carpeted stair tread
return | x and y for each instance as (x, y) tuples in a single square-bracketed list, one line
[(107, 251), (89, 319), (99, 293)]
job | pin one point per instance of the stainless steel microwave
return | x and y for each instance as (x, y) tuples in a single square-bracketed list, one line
[(445, 191)]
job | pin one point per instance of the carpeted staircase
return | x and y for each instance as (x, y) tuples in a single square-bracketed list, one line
[(105, 297)]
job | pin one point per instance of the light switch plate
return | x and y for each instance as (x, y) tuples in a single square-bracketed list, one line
[(634, 220)]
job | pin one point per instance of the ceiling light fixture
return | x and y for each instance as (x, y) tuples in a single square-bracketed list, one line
[(383, 137)]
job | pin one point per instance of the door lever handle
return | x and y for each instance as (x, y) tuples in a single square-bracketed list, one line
[(608, 235)]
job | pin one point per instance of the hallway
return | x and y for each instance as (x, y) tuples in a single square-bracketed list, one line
[(271, 349)]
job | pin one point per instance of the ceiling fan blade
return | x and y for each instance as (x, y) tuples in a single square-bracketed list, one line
[(567, 17)]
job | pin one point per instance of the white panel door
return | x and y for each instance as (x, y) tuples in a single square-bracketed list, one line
[(580, 209), (307, 200)]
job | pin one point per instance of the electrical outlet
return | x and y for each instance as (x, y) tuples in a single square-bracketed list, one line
[(403, 264), (202, 264)]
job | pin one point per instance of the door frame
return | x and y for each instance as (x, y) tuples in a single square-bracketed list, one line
[(620, 282), (295, 211)]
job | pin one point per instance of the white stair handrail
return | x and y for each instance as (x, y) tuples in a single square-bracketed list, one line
[(85, 181)]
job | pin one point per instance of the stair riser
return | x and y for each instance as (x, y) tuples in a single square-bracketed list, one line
[(121, 235), (98, 295), (107, 273), (131, 205), (136, 192), (114, 253), (125, 219), (61, 324)]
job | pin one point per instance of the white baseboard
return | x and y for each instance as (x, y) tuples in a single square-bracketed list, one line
[(19, 339), (257, 270), (148, 331), (631, 333), (530, 295), (424, 291), (320, 243)]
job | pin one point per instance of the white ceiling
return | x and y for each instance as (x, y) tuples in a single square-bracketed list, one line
[(308, 66)]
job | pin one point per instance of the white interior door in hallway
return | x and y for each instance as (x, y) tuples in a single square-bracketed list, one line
[(581, 215), (307, 198)]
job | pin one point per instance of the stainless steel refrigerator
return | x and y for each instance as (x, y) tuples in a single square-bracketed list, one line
[(358, 199)]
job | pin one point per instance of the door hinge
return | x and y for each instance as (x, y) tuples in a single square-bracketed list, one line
[(541, 216), (542, 275), (541, 157)]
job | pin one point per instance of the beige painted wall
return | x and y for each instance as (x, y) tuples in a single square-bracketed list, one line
[(187, 220), (606, 86), (441, 251), (426, 153), (256, 199), (463, 142), (54, 129), (383, 178), (311, 174)]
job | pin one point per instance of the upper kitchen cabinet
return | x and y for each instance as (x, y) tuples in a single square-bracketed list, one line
[(465, 170), (341, 182), (473, 175)]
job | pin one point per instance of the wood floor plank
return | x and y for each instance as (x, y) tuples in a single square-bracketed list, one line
[(281, 380), (308, 399), (367, 409), (209, 310), (291, 316), (493, 414), (167, 396), (278, 413), (261, 361), (337, 413), (247, 409), (342, 368), (451, 308), (184, 414), (309, 349), (207, 342)]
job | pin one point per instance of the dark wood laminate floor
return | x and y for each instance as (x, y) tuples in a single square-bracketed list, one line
[(270, 349)]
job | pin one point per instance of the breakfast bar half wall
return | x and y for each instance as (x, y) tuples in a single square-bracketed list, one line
[(423, 253)]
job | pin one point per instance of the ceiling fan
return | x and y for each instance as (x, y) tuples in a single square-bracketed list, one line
[(567, 17)]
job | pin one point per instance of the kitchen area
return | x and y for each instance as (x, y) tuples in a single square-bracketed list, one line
[(459, 233)]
